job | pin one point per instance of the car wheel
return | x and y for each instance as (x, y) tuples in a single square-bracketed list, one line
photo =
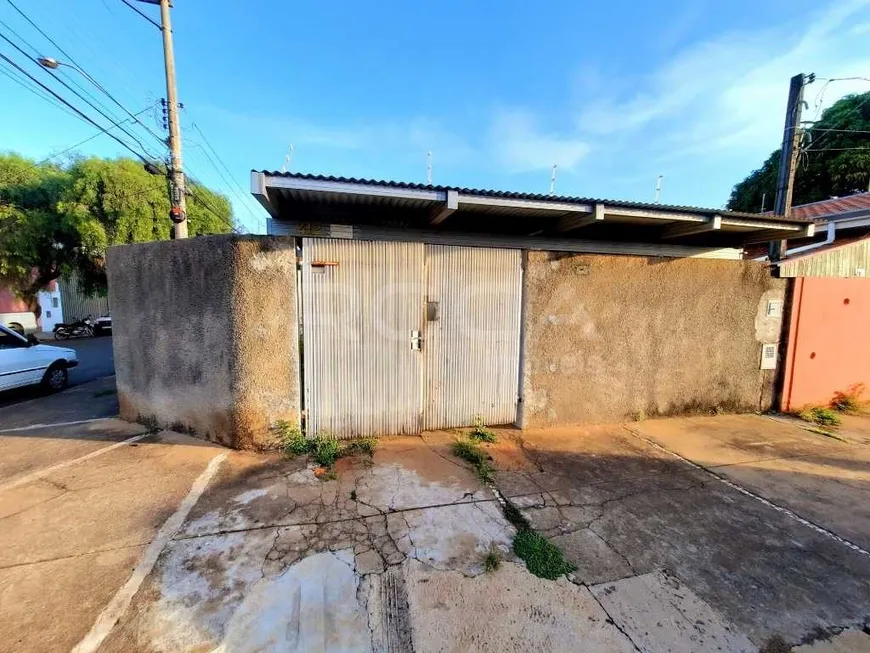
[(17, 327), (56, 378)]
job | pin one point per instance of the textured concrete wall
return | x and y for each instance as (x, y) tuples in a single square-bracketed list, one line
[(205, 335), (266, 347), (615, 337)]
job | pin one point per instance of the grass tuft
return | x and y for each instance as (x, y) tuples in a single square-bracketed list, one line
[(480, 432), (542, 558), (471, 452), (492, 561), (325, 449), (820, 415), (290, 439)]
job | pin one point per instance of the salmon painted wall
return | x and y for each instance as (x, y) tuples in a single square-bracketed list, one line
[(828, 347), (9, 303)]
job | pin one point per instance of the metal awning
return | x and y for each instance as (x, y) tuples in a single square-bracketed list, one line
[(314, 199)]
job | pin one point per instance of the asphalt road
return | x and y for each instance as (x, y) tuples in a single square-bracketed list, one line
[(95, 361)]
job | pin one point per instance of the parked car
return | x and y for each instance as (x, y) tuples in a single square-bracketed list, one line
[(103, 325), (24, 361)]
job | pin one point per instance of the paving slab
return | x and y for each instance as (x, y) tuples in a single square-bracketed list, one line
[(618, 508), (22, 452), (70, 540), (825, 480), (661, 614), (507, 610)]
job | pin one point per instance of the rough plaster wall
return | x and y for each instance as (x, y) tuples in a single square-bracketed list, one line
[(266, 338), (611, 337), (172, 332)]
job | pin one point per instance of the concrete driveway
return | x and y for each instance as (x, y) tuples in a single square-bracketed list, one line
[(688, 535), (765, 521)]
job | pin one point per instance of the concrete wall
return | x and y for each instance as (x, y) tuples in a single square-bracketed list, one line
[(616, 337), (828, 347), (205, 335)]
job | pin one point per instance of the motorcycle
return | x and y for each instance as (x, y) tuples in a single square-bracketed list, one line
[(78, 329)]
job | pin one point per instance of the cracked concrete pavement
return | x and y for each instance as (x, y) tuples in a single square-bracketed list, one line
[(389, 555), (619, 507)]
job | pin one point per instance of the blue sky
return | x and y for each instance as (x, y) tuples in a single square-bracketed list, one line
[(615, 93)]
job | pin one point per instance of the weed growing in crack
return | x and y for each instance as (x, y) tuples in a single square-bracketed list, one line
[(515, 517), (290, 439), (480, 432), (819, 415), (325, 450), (472, 452), (849, 401), (543, 558), (492, 561)]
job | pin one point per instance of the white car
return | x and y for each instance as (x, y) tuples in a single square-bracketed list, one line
[(23, 361)]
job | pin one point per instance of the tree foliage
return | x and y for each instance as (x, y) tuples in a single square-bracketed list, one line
[(829, 164), (57, 220)]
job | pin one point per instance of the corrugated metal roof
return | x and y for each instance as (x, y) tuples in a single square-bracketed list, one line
[(527, 196), (823, 209)]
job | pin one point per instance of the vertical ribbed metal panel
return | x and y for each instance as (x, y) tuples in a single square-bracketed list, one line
[(75, 305), (472, 350), (361, 375)]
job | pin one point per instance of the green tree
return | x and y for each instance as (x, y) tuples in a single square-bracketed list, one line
[(59, 220), (831, 163)]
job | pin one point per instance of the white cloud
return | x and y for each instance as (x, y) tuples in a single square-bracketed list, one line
[(518, 146), (727, 94)]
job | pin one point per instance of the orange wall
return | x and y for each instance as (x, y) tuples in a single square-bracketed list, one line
[(829, 339)]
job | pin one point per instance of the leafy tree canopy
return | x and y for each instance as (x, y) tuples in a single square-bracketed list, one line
[(828, 166), (59, 219)]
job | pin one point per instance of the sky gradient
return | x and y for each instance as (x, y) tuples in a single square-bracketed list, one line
[(614, 93)]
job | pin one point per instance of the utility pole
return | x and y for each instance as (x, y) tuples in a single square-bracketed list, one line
[(177, 200), (788, 156)]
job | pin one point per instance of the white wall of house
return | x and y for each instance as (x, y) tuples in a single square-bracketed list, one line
[(52, 308)]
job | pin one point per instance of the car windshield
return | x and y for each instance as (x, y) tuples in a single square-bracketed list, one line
[(5, 330)]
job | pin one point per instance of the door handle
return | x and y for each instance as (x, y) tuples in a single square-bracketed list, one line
[(416, 341)]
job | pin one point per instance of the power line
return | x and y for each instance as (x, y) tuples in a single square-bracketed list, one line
[(842, 119), (80, 69), (838, 149), (228, 178), (843, 131), (8, 73), (82, 115), (90, 138), (111, 119), (143, 14)]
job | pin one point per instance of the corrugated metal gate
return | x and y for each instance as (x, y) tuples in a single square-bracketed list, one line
[(360, 305), (400, 337), (472, 349)]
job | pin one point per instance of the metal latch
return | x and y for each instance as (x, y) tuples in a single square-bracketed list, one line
[(416, 341)]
